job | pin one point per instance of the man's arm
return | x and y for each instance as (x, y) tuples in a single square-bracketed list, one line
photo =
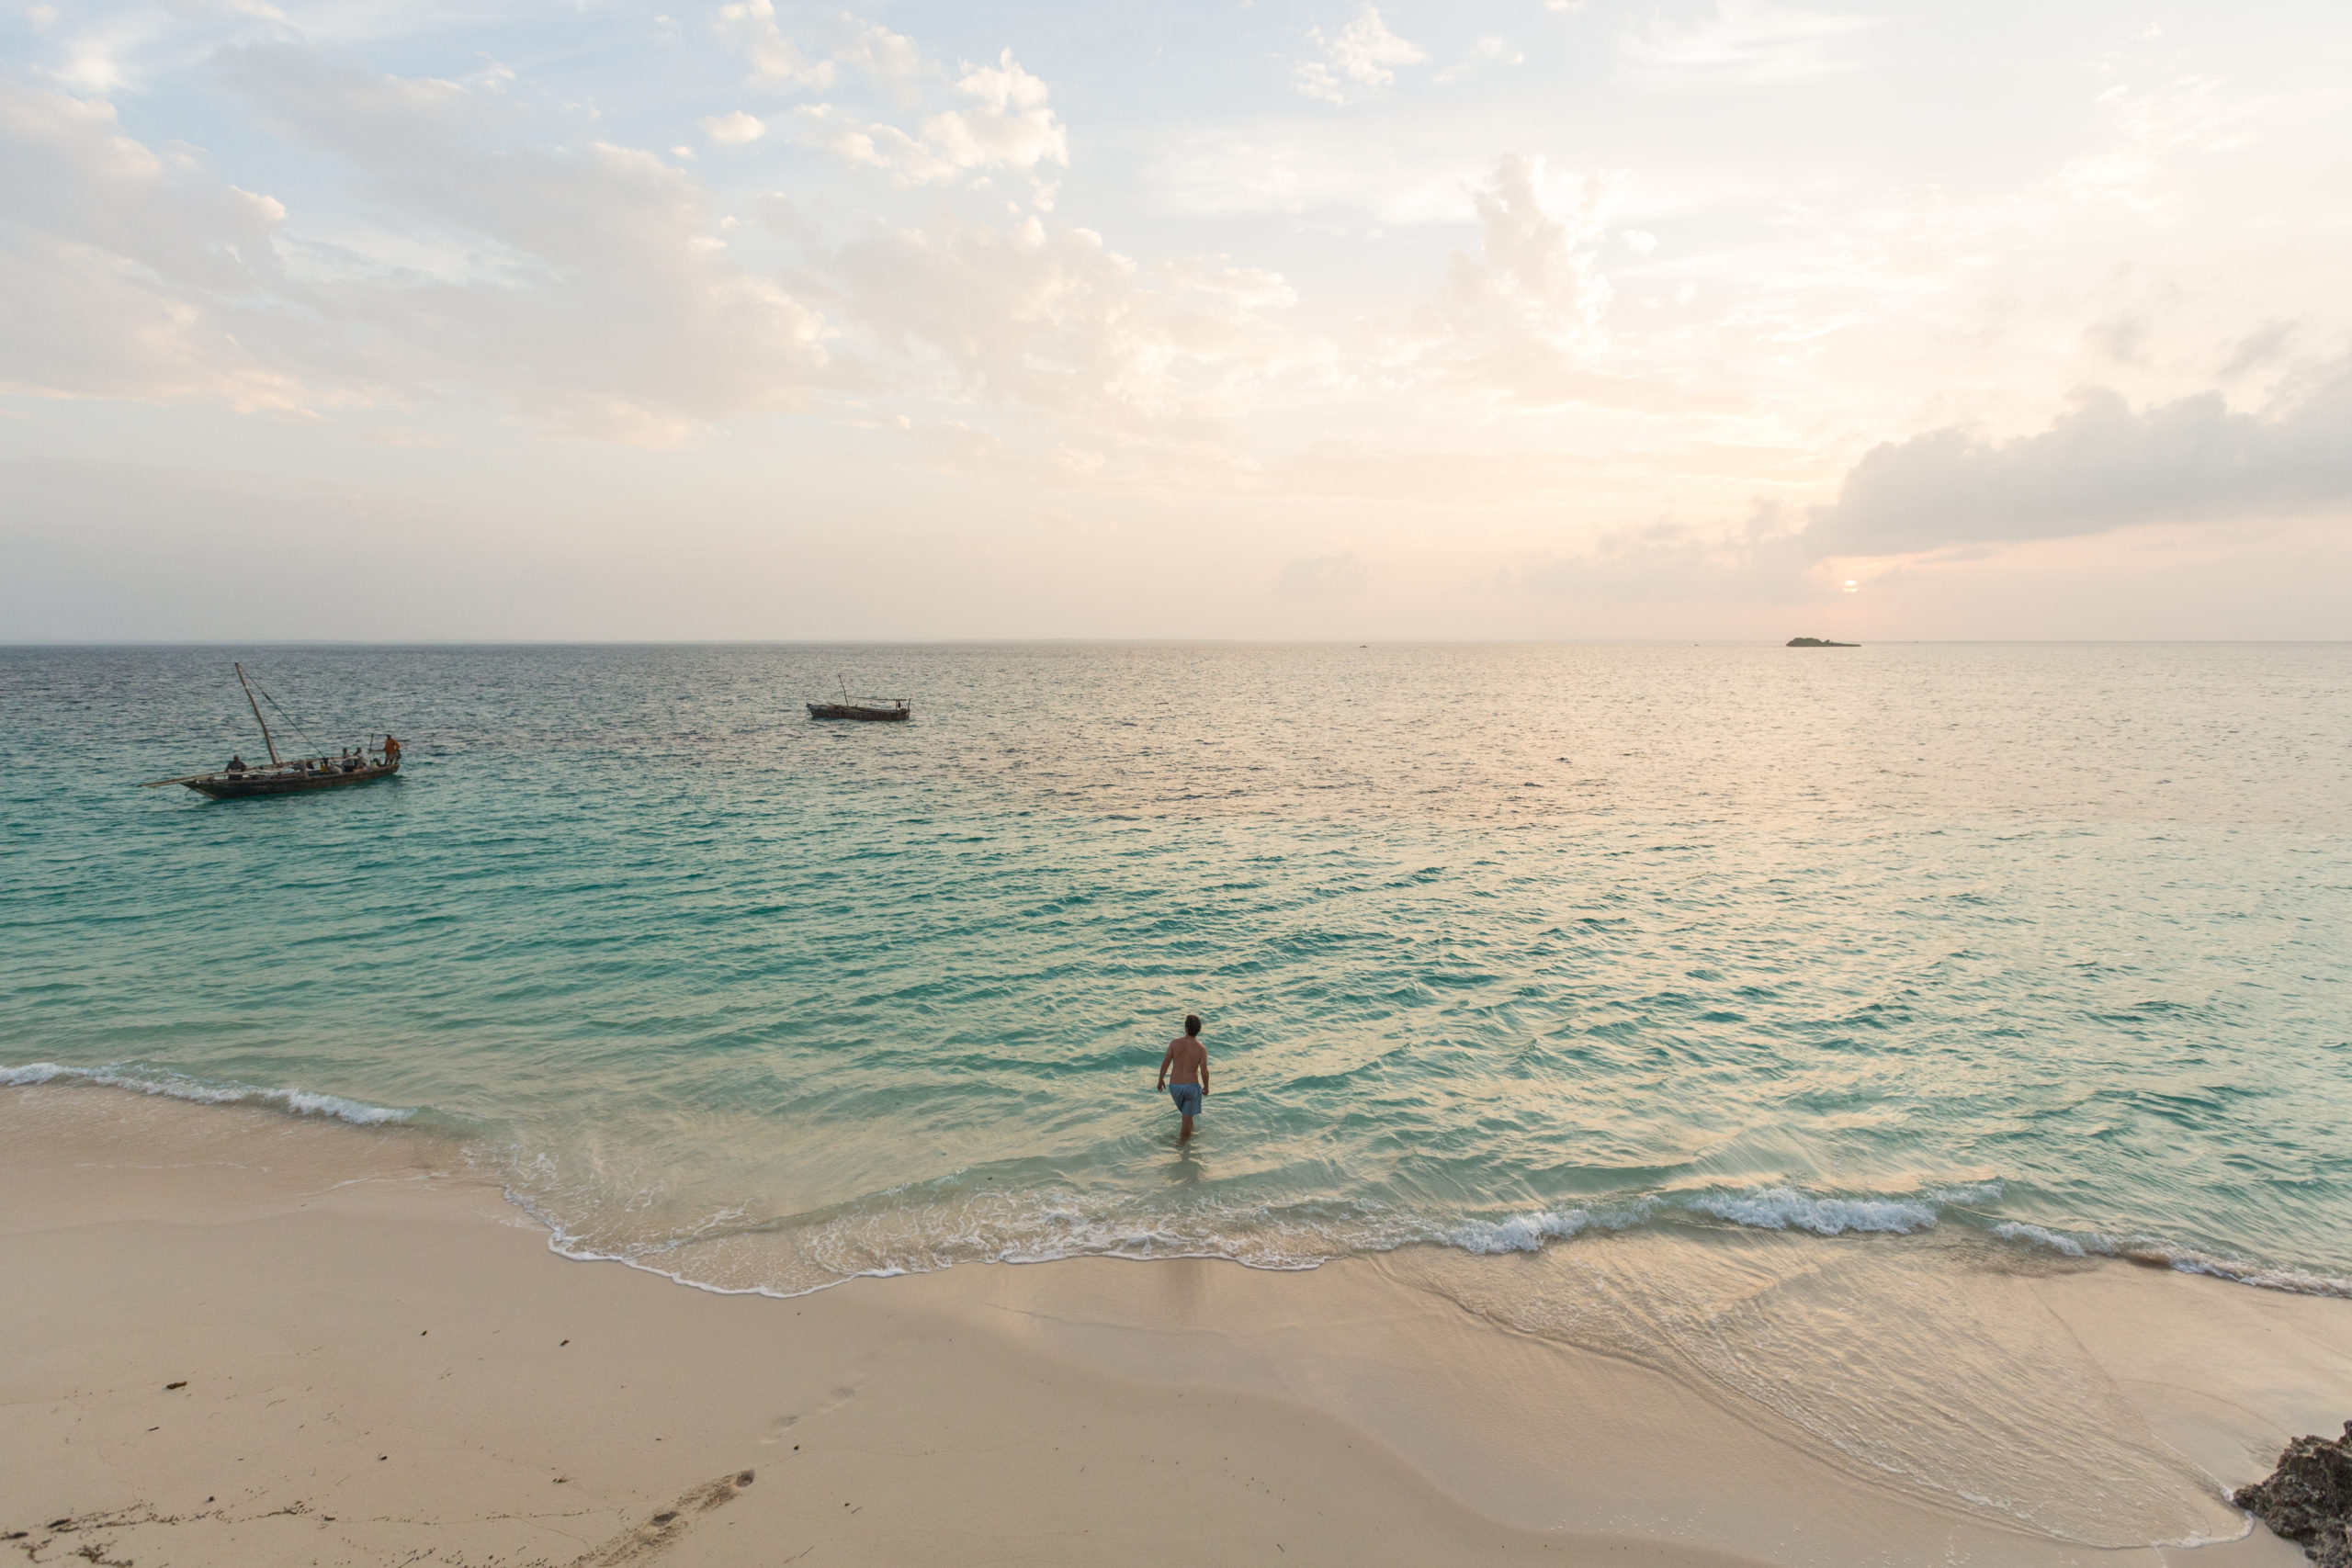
[(1204, 1071), (1165, 1057)]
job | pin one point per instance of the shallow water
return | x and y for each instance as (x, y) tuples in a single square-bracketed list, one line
[(1499, 947)]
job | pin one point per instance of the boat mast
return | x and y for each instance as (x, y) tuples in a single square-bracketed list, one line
[(266, 740)]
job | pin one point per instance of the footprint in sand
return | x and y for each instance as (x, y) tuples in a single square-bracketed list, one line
[(667, 1525), (783, 1424)]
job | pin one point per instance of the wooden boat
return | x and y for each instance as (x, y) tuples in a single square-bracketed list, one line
[(897, 708), (1816, 642), (283, 775)]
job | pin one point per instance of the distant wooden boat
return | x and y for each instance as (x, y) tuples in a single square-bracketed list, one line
[(897, 708), (1816, 642), (282, 775), (872, 710)]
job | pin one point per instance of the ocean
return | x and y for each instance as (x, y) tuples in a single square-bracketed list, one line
[(1995, 955)]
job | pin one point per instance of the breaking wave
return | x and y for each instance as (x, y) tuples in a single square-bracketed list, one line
[(177, 1086)]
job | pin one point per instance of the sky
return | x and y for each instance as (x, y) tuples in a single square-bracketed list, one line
[(1292, 319)]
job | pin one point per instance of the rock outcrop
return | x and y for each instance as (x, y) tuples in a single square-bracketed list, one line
[(2308, 1498), (1816, 642)]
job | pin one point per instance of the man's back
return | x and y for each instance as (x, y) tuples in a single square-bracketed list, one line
[(1186, 1057)]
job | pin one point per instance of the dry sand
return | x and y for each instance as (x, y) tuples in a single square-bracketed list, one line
[(237, 1338)]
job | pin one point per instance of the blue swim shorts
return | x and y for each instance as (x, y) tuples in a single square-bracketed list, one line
[(1187, 1096)]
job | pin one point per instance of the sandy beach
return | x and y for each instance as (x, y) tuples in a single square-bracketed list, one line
[(238, 1337)]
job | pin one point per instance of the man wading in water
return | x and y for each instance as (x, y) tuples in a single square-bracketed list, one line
[(1187, 1061)]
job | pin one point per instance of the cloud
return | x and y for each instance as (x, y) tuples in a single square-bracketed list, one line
[(1745, 42), (130, 272), (1484, 52), (1523, 316), (2155, 135), (1321, 576), (1054, 321), (1363, 53), (1007, 123), (1951, 493), (891, 60), (587, 287), (734, 130), (775, 60), (2100, 465)]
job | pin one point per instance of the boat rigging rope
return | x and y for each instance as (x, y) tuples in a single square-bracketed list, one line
[(288, 717)]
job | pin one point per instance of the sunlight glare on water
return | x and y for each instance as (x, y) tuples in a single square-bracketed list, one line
[(1500, 948)]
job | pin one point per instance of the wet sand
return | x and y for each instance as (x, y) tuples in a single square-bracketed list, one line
[(240, 1338)]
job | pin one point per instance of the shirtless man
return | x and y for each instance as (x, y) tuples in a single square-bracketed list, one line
[(1187, 1062)]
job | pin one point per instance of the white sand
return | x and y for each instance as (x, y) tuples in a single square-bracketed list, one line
[(376, 1368)]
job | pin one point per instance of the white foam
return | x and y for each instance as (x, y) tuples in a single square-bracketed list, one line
[(1968, 1196), (1518, 1233), (1779, 1208), (300, 1102), (2056, 1241), (2181, 1260), (2295, 1281)]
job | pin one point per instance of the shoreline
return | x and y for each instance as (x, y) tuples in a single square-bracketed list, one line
[(1753, 1208), (329, 1294)]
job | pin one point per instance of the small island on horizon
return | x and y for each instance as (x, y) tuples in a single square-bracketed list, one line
[(1817, 642)]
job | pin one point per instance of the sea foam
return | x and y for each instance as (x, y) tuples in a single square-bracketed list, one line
[(297, 1101), (1780, 1208)]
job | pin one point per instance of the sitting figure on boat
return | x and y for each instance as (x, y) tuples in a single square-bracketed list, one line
[(236, 764)]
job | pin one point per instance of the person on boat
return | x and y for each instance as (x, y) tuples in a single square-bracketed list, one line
[(236, 762), (1186, 1060), (391, 750)]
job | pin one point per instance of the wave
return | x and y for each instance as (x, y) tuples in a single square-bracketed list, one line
[(177, 1086), (904, 1231), (1780, 1208), (2152, 1253)]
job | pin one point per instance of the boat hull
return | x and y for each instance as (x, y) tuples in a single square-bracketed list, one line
[(851, 710), (244, 786)]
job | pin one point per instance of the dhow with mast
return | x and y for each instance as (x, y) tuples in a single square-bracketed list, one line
[(284, 776)]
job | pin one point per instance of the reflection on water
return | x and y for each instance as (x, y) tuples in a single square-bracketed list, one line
[(2017, 952)]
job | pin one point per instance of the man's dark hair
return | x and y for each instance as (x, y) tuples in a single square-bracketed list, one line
[(1191, 1023)]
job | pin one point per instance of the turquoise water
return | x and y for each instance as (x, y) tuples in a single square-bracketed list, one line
[(1499, 947)]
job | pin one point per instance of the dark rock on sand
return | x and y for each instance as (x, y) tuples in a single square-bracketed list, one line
[(1816, 642), (2308, 1498)]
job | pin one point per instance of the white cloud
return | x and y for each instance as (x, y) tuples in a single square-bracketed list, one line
[(132, 273), (2156, 133), (734, 130), (590, 286), (892, 61), (1007, 123), (584, 286), (1364, 51), (1523, 315), (1053, 320), (1316, 80), (1745, 42), (775, 60), (888, 59)]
